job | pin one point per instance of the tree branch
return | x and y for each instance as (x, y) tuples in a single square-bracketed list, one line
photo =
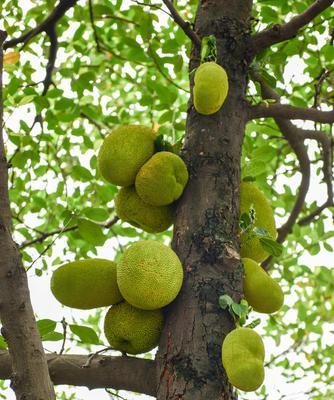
[(49, 27), (184, 25), (91, 16), (278, 110), (45, 235), (30, 376), (121, 373), (280, 33)]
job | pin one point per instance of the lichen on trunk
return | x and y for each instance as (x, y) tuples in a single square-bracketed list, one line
[(206, 228)]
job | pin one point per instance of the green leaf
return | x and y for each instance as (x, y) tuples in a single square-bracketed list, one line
[(225, 301), (26, 100), (53, 337), (3, 343), (271, 246), (91, 232), (46, 326), (86, 335)]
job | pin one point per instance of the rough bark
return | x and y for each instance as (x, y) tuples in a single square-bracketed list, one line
[(205, 233), (30, 378), (125, 373)]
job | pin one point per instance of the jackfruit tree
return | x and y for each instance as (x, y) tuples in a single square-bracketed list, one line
[(166, 199)]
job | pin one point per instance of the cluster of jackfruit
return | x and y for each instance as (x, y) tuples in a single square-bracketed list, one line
[(148, 277), (243, 349), (210, 88), (151, 182)]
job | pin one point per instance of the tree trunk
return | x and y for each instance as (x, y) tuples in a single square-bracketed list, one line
[(30, 379), (206, 229)]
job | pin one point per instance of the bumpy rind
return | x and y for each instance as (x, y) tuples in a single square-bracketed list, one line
[(123, 152), (86, 284), (243, 355), (262, 292), (131, 330), (132, 209), (149, 275), (252, 197), (162, 179), (210, 88)]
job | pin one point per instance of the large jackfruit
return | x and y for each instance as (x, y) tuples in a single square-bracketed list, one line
[(252, 197), (162, 179), (210, 88), (243, 356), (131, 330), (149, 275), (86, 284), (261, 291), (132, 209), (123, 152)]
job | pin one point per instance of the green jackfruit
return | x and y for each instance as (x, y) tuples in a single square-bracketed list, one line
[(131, 330), (261, 291), (243, 356), (210, 88), (123, 152), (162, 179), (252, 197), (131, 208), (149, 275), (86, 284)]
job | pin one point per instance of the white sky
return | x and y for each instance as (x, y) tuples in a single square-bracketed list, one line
[(46, 306)]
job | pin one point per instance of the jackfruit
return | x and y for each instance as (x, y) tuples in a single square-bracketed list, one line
[(149, 275), (252, 197), (243, 356), (261, 291), (131, 208), (131, 330), (123, 152), (86, 284), (210, 88), (162, 179)]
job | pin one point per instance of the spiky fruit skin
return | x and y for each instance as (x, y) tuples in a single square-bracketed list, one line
[(210, 88), (243, 356), (162, 179), (261, 291), (123, 152), (131, 330), (86, 284), (132, 209), (149, 275), (252, 197)]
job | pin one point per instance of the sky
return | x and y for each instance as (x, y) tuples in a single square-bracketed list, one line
[(46, 306)]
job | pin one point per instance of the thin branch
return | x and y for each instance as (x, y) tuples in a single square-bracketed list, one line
[(280, 33), (64, 325), (278, 110), (51, 32), (45, 235), (120, 373), (58, 12), (91, 17), (184, 25)]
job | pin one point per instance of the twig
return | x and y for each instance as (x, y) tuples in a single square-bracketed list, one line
[(51, 32), (280, 33), (64, 324), (45, 235), (91, 16), (93, 355), (184, 25)]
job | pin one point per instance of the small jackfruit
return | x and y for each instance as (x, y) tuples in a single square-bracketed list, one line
[(131, 208), (131, 330), (123, 152), (210, 88), (243, 356), (261, 291), (86, 284), (162, 179), (149, 275), (252, 197)]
